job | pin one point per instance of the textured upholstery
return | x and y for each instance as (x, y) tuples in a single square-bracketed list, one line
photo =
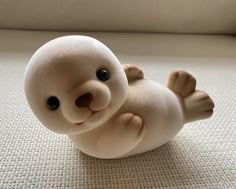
[(202, 155), (178, 16)]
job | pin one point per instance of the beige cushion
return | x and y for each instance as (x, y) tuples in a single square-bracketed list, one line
[(185, 16), (201, 156)]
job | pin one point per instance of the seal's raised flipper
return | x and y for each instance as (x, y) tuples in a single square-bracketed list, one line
[(133, 72), (196, 104)]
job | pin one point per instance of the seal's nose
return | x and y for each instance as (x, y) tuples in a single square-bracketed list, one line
[(84, 100)]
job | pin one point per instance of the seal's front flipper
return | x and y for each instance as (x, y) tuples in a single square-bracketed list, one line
[(121, 136), (133, 72)]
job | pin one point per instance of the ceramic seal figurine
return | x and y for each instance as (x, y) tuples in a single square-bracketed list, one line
[(76, 86)]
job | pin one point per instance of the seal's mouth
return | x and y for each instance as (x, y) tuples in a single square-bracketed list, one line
[(94, 116), (92, 113)]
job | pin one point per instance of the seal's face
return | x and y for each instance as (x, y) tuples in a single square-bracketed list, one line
[(73, 84)]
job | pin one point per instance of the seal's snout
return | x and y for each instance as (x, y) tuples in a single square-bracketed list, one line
[(84, 100)]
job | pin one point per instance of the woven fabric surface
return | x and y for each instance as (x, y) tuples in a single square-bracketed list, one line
[(202, 155)]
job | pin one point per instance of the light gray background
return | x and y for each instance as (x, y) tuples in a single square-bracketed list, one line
[(172, 16)]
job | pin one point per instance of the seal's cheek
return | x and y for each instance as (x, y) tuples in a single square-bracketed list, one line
[(54, 121)]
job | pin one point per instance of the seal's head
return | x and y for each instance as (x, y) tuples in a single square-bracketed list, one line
[(74, 84)]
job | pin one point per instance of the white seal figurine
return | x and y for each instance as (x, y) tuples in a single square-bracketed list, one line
[(76, 86)]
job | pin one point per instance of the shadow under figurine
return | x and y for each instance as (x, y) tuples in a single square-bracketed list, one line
[(76, 86)]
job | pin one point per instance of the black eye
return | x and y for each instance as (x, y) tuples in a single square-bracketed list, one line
[(53, 103), (103, 75)]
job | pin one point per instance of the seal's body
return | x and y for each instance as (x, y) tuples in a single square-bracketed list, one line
[(159, 122), (76, 86)]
